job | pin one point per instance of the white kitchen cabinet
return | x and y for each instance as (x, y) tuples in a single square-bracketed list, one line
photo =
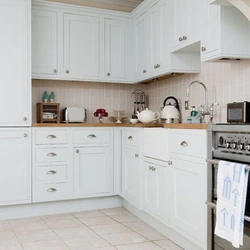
[(93, 172), (187, 24), (226, 33), (141, 46), (15, 60), (155, 190), (15, 154), (115, 49), (44, 42), (188, 183), (81, 46), (131, 165)]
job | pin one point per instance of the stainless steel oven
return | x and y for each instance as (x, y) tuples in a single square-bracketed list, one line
[(232, 143)]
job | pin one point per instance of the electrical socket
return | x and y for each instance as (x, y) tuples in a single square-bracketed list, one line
[(186, 105)]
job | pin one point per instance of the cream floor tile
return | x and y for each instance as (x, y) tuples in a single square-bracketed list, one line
[(38, 235), (4, 224), (58, 217), (125, 217), (140, 246), (152, 235), (110, 229), (28, 224), (167, 244), (115, 211), (7, 235), (138, 226), (103, 248), (63, 223), (86, 243), (45, 245), (97, 221), (88, 214), (74, 232), (11, 245), (124, 238)]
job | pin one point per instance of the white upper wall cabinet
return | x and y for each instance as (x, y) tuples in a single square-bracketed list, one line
[(44, 42), (226, 33), (15, 63), (115, 51), (81, 46)]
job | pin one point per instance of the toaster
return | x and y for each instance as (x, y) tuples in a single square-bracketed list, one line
[(74, 114)]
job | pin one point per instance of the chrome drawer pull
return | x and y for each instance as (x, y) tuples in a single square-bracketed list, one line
[(51, 154), (51, 172), (91, 136), (51, 136), (184, 144), (51, 190), (130, 137)]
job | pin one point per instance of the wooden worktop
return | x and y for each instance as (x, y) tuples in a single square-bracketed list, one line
[(138, 125)]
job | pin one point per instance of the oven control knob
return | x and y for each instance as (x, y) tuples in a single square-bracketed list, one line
[(242, 146), (248, 147), (228, 145), (221, 140), (234, 145)]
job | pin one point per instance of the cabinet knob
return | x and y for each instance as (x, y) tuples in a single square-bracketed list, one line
[(144, 71), (77, 151), (203, 49), (136, 155), (25, 118), (180, 39), (170, 163), (184, 144), (51, 190), (108, 74), (157, 66), (130, 137), (55, 70), (51, 154), (67, 71), (25, 135), (51, 172), (153, 169), (184, 38)]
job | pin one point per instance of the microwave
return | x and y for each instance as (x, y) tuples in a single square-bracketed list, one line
[(238, 112)]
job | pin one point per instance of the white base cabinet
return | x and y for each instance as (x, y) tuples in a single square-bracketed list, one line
[(15, 154), (93, 172)]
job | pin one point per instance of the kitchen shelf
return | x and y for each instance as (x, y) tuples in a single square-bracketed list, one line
[(46, 107)]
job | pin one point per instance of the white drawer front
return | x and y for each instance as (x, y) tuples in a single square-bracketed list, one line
[(50, 137), (131, 138), (92, 136), (51, 173), (52, 192), (51, 155), (191, 145)]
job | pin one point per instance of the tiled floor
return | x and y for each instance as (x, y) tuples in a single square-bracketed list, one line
[(107, 229)]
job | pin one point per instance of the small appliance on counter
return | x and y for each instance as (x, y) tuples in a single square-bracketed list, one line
[(238, 112), (139, 102), (170, 113), (74, 114)]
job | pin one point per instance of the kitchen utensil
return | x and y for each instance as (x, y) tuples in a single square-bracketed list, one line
[(170, 112), (147, 116)]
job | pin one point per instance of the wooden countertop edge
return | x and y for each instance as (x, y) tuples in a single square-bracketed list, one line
[(138, 125)]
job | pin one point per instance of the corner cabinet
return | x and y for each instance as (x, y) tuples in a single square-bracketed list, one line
[(115, 50), (81, 46), (15, 153), (188, 183), (15, 62)]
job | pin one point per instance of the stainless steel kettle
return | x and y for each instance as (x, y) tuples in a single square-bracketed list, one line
[(170, 112)]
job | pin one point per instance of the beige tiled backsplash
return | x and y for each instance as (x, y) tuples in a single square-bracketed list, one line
[(226, 81)]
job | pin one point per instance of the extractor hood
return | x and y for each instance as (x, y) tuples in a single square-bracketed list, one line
[(241, 5)]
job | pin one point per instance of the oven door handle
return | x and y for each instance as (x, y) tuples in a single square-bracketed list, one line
[(213, 206), (216, 162)]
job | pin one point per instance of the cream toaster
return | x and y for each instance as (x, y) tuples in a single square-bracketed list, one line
[(74, 114)]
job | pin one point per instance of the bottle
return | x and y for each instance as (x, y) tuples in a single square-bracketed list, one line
[(193, 112)]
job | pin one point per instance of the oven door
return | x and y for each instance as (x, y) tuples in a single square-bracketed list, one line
[(215, 242)]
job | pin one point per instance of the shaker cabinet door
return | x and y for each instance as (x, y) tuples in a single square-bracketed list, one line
[(15, 81), (115, 51), (44, 42), (81, 46)]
